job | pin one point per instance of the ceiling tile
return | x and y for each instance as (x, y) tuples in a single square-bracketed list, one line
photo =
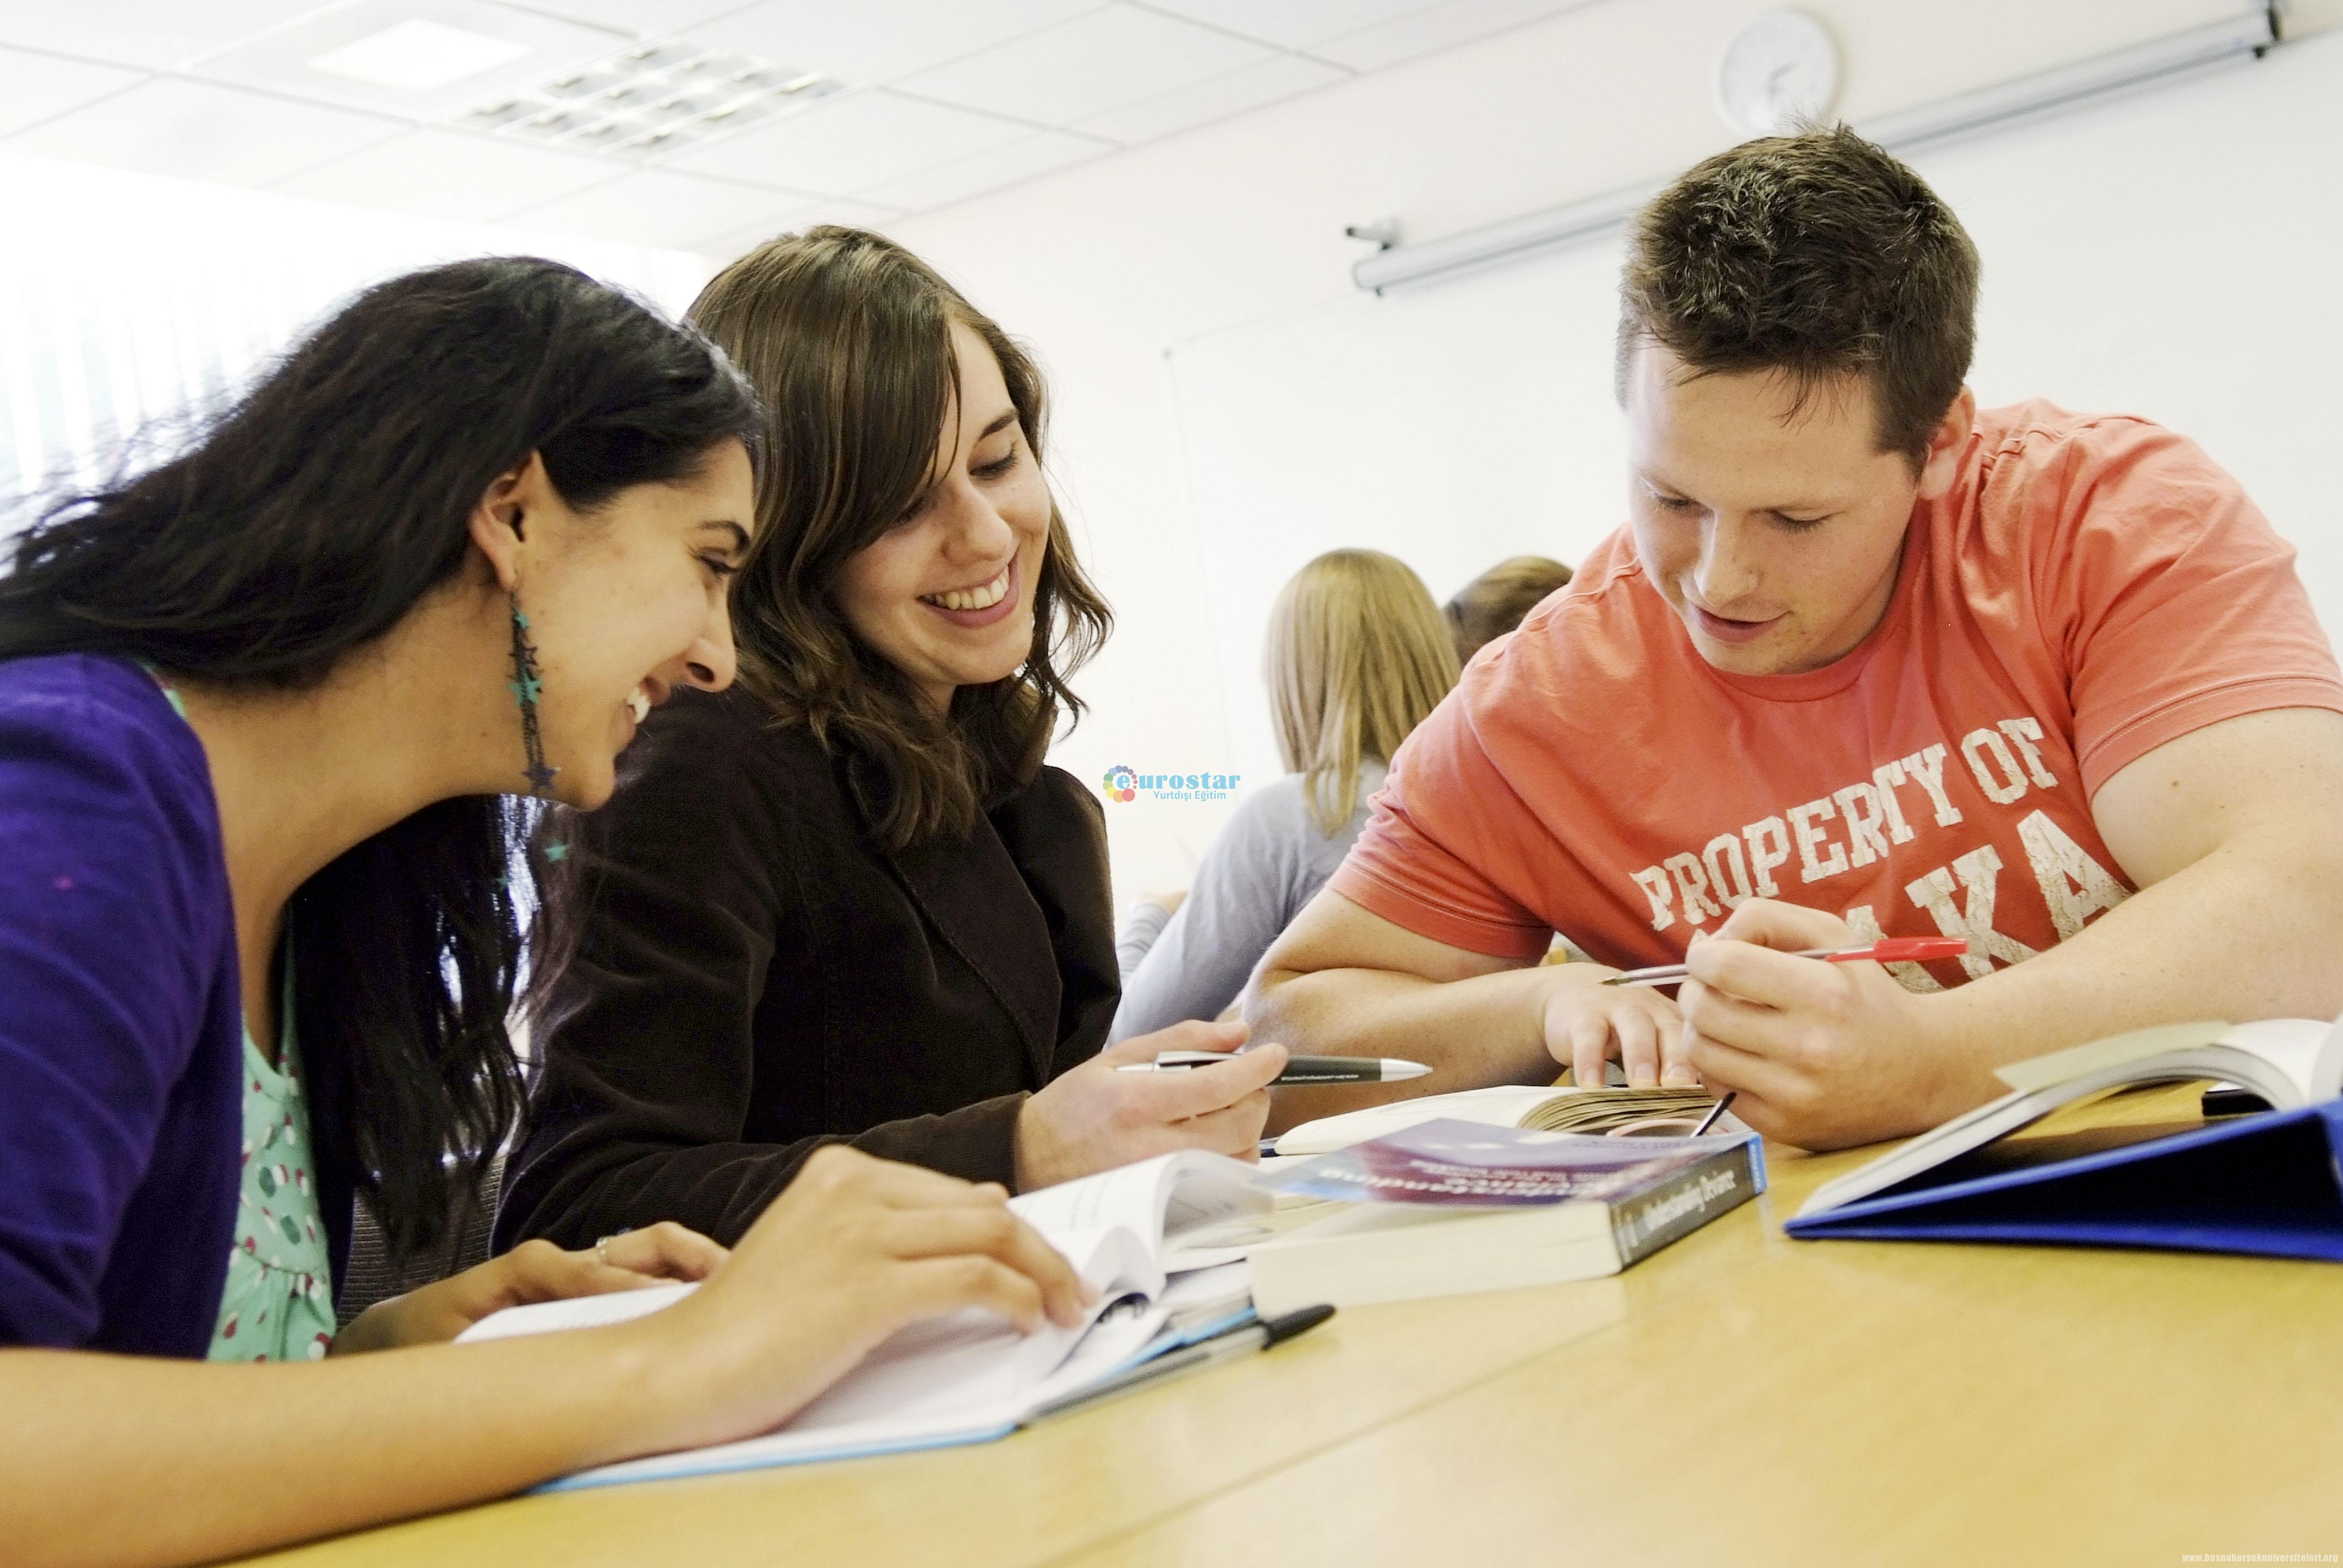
[(641, 18), (849, 213), (851, 143), (450, 175), (871, 42), (196, 131), (527, 49), (1291, 24), (1087, 66), (1434, 28), (968, 176), (1216, 98), (660, 209), (35, 88), (153, 34)]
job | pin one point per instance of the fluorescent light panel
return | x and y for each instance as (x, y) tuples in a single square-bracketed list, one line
[(653, 99)]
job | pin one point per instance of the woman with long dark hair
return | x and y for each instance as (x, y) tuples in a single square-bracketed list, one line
[(263, 711), (848, 901)]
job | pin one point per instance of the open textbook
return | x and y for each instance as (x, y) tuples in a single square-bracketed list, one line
[(1536, 1108), (972, 1376), (2259, 1183)]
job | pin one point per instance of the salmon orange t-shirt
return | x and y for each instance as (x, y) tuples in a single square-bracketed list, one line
[(2091, 587)]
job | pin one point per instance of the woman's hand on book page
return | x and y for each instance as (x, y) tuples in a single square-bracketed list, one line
[(853, 1250), (1822, 1055), (1587, 1024), (532, 1271), (1095, 1118)]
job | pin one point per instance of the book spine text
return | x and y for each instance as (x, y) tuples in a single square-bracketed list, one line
[(1686, 1201)]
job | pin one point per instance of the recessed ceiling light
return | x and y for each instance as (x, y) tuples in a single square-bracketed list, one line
[(418, 55), (653, 99)]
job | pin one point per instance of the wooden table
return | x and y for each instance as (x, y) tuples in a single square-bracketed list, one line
[(1739, 1398)]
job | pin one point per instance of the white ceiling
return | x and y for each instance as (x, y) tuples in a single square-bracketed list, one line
[(945, 99)]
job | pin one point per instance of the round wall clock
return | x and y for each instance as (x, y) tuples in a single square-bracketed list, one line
[(1779, 71)]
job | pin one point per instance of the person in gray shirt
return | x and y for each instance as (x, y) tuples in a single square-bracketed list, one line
[(1357, 656)]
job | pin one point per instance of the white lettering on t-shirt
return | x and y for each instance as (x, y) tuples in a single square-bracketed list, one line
[(1692, 884), (1723, 853), (1801, 823), (2002, 782), (1762, 860), (1884, 778), (2025, 733), (1977, 870), (1700, 887), (1862, 808), (1926, 769), (2073, 885), (1656, 887)]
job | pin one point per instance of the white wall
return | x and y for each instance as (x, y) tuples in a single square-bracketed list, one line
[(1111, 268), (125, 298)]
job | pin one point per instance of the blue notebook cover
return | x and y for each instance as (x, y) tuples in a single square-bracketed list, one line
[(2266, 1185)]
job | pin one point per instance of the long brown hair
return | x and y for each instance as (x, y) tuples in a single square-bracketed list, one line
[(847, 336), (1358, 656)]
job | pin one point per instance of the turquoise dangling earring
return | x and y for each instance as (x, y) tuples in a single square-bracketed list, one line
[(526, 687)]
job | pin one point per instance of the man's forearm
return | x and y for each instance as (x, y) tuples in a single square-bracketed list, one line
[(2254, 929), (1472, 1033)]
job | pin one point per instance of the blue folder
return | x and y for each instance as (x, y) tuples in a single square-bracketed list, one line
[(2265, 1185)]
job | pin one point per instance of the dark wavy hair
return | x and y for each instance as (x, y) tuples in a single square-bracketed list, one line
[(302, 523), (847, 336)]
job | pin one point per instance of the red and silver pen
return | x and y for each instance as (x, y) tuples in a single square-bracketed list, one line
[(1893, 950)]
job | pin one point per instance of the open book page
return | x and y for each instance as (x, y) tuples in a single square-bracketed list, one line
[(1503, 1106), (1607, 1111), (971, 1373), (2306, 1056), (2287, 1062), (1153, 1199), (974, 1405)]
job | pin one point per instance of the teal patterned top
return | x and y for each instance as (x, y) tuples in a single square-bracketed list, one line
[(278, 1303)]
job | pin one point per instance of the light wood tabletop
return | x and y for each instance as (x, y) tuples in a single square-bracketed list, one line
[(1741, 1396)]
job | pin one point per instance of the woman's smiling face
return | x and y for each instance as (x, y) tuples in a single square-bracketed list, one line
[(946, 596), (625, 603)]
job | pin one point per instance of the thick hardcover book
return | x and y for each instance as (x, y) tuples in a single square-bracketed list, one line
[(1448, 1207)]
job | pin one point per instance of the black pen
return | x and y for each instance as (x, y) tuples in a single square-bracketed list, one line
[(1297, 1070), (1715, 1111), (1252, 1337)]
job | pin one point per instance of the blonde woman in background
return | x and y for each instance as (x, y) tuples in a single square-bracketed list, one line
[(1358, 654)]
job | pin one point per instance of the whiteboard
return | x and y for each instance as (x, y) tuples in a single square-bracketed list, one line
[(2176, 253)]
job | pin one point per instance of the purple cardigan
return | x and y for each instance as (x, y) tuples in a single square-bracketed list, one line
[(121, 1032)]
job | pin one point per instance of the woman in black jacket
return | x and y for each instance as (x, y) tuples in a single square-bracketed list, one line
[(847, 901)]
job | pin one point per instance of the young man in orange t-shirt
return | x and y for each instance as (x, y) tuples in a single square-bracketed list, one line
[(1864, 661)]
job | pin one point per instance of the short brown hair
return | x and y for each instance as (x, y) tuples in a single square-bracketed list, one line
[(847, 336), (1357, 657), (1818, 255), (1493, 603)]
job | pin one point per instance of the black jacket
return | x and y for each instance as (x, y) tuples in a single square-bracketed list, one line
[(756, 977)]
